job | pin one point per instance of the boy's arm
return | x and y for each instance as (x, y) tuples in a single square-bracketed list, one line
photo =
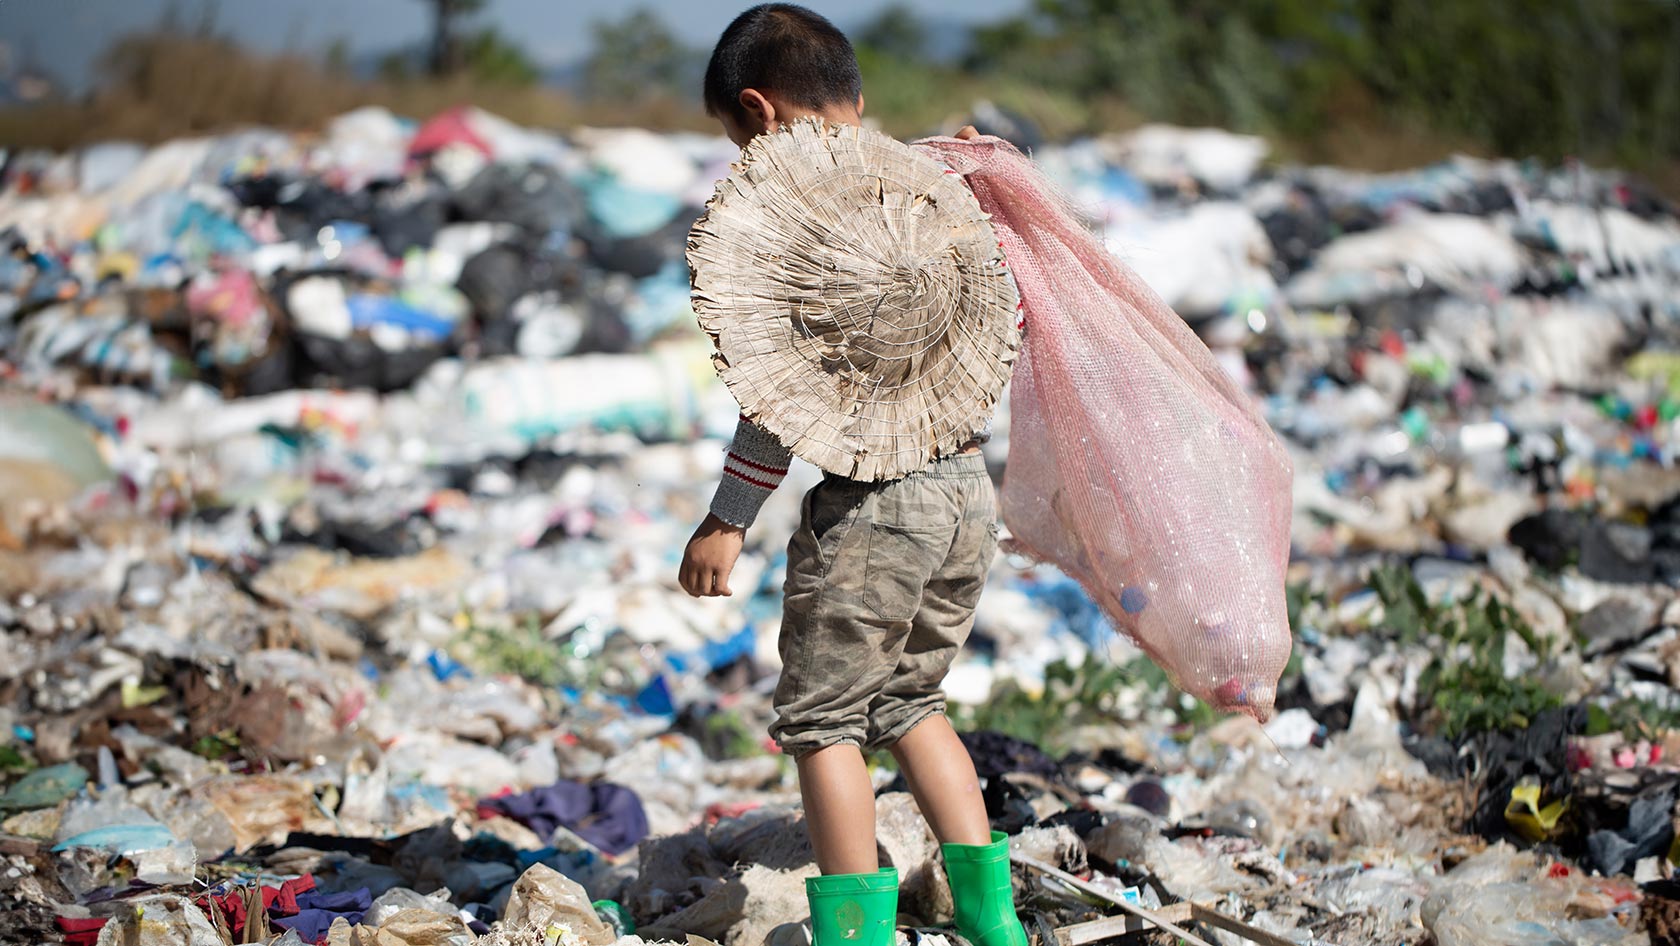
[(755, 466)]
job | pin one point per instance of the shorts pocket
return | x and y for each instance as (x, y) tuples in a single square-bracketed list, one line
[(989, 548), (833, 516), (899, 564)]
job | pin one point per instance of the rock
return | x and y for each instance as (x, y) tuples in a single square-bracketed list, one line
[(1123, 839), (670, 869), (1617, 552), (742, 910), (1551, 537), (1057, 846), (772, 836), (1363, 822), (685, 884), (1617, 622), (1487, 521), (908, 844), (773, 899)]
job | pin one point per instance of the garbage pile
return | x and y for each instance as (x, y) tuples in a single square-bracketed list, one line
[(343, 479)]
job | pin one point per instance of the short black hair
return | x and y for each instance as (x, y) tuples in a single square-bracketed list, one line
[(784, 48)]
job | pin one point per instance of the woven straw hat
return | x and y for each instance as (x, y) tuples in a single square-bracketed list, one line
[(858, 299)]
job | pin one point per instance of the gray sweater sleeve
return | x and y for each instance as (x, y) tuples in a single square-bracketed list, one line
[(754, 467)]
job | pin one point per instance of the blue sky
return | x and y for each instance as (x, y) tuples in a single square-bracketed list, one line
[(66, 35)]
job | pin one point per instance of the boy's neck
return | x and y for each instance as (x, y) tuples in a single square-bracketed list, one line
[(834, 115)]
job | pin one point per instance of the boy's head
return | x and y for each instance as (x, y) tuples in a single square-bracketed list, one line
[(778, 62)]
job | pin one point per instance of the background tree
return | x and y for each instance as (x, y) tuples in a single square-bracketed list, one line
[(447, 54), (337, 57), (484, 53), (490, 57), (896, 31), (637, 59)]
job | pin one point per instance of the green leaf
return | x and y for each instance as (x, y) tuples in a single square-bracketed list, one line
[(11, 760)]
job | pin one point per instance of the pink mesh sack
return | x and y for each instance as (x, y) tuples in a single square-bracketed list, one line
[(1136, 465)]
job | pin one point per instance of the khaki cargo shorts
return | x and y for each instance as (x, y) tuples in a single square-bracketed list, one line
[(882, 580)]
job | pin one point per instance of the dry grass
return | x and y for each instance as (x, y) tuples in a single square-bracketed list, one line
[(159, 87)]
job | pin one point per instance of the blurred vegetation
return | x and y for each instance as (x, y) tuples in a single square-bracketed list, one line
[(637, 61), (1376, 83), (1091, 693), (1517, 77), (1465, 687), (448, 53), (158, 86)]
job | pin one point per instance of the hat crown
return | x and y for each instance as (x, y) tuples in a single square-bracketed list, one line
[(885, 315), (857, 296)]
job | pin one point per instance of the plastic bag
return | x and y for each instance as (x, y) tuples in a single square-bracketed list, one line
[(418, 928), (1505, 897), (163, 920), (44, 788), (403, 900), (1520, 913), (1136, 465), (545, 899)]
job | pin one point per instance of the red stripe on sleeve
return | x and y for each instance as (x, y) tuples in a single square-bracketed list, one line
[(757, 466), (747, 479)]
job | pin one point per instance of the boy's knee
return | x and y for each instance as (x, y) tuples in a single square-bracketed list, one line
[(892, 723), (797, 737)]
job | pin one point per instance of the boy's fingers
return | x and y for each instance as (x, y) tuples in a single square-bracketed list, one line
[(968, 131)]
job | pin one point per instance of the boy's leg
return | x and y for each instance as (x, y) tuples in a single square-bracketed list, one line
[(909, 715), (839, 648), (941, 776), (839, 809)]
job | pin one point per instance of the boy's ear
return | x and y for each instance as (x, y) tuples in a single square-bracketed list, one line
[(860, 104), (759, 109)]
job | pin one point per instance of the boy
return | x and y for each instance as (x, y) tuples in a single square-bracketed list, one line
[(864, 648)]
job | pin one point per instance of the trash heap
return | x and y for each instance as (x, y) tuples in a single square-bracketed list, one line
[(343, 478)]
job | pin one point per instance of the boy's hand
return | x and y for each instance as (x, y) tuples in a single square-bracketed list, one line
[(967, 133), (710, 557)]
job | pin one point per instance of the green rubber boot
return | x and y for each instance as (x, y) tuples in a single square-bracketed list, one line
[(980, 888), (854, 909)]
